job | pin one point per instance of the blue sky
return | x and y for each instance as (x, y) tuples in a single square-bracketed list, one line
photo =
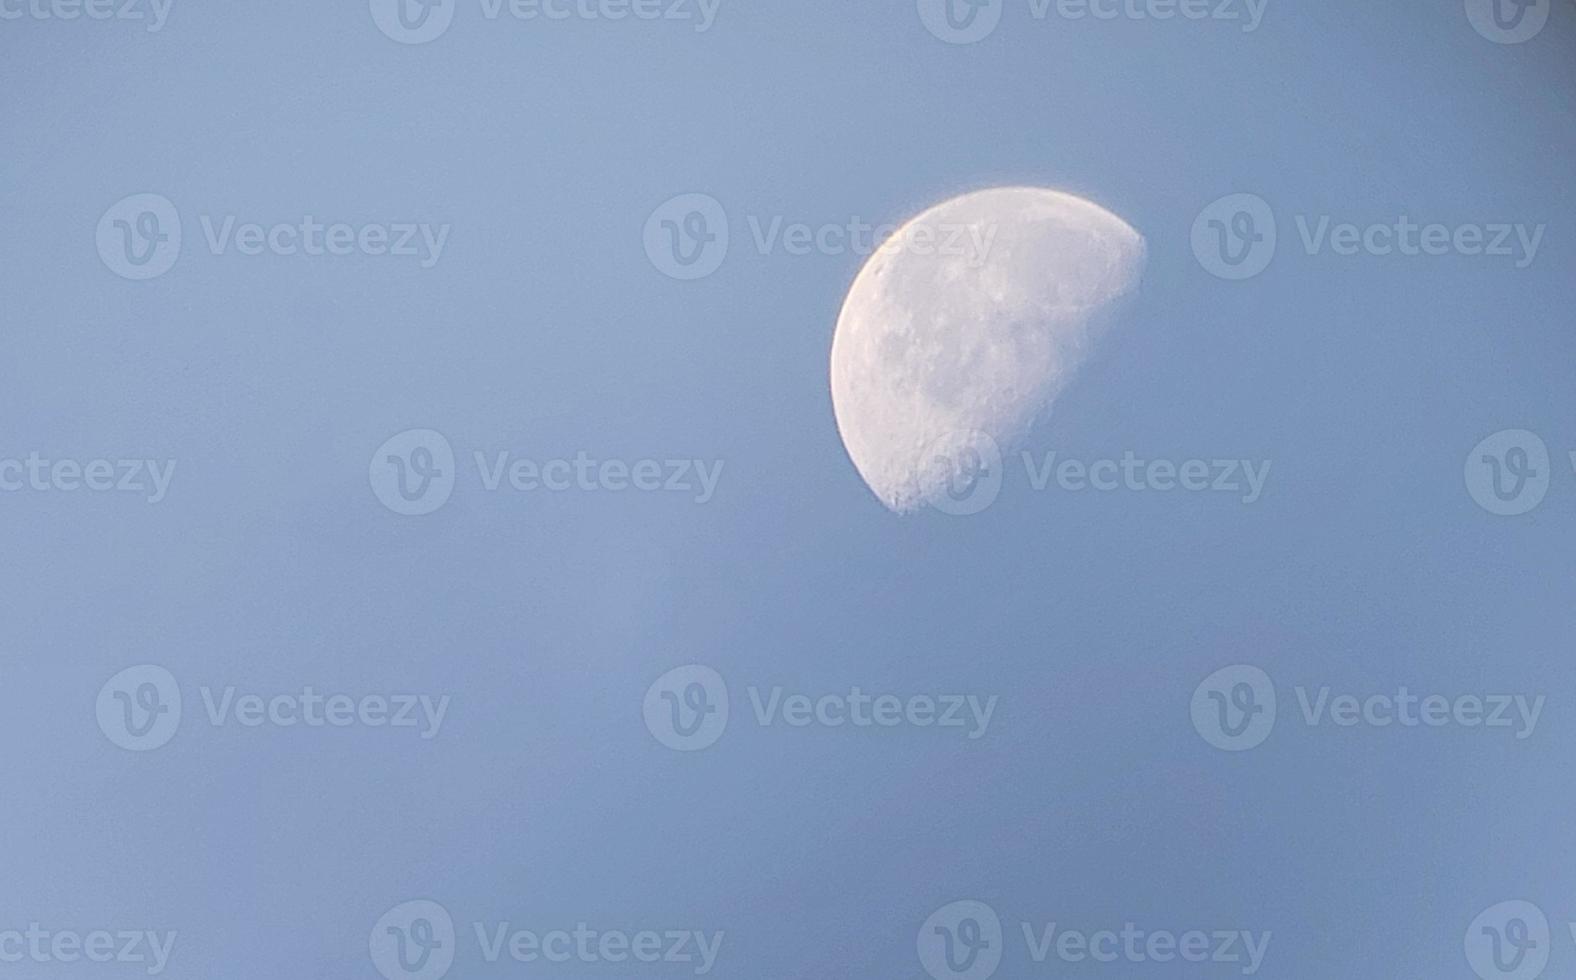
[(544, 330)]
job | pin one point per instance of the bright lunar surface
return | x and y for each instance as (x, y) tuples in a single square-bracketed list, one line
[(969, 321)]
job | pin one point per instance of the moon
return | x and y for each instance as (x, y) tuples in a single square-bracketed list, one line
[(968, 322)]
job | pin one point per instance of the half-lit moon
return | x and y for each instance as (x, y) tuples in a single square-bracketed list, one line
[(970, 320)]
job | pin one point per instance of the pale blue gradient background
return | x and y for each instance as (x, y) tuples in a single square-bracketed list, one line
[(546, 330)]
